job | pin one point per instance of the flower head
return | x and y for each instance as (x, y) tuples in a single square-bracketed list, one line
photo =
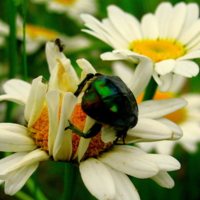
[(36, 36), (50, 108), (170, 38), (72, 8)]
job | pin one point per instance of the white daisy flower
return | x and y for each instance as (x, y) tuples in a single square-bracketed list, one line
[(170, 38), (72, 8), (36, 36), (187, 118), (48, 109)]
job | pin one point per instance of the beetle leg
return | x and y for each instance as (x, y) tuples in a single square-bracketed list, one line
[(83, 83), (93, 131)]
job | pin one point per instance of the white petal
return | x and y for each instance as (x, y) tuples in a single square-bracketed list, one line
[(177, 132), (150, 129), (84, 143), (19, 178), (119, 19), (125, 190), (35, 101), (141, 77), (29, 159), (112, 56), (52, 98), (192, 15), (162, 13), (97, 179), (159, 108), (178, 83), (165, 66), (86, 66), (52, 53), (122, 70), (6, 97), (164, 180), (149, 27), (190, 33), (130, 164), (108, 135), (11, 160), (63, 144), (177, 20), (186, 68), (166, 82), (13, 142), (191, 55), (15, 128), (17, 89), (165, 162)]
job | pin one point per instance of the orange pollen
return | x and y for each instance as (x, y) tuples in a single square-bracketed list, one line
[(39, 132), (177, 116)]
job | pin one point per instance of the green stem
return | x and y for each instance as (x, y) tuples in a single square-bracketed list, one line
[(71, 172), (24, 9), (150, 90), (12, 49), (37, 193)]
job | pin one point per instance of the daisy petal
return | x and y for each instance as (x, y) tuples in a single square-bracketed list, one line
[(19, 178), (112, 56), (166, 82), (162, 14), (52, 98), (37, 94), (6, 97), (52, 54), (130, 164), (191, 55), (15, 128), (165, 66), (22, 143), (158, 108), (150, 129), (29, 159), (125, 190), (165, 162), (186, 68), (177, 20), (141, 77), (97, 179), (149, 27), (17, 89), (164, 180), (86, 68), (177, 132), (63, 144)]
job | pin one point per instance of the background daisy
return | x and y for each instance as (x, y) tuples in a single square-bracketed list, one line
[(169, 38)]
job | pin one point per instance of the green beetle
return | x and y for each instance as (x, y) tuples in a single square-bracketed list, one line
[(110, 102)]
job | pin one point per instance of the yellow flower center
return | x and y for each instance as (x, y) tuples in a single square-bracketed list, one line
[(158, 50), (36, 31), (178, 116), (65, 2), (39, 132)]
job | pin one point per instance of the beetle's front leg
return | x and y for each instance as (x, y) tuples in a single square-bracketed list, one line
[(93, 131), (83, 83)]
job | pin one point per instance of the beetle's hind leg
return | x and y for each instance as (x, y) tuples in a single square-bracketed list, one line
[(93, 131)]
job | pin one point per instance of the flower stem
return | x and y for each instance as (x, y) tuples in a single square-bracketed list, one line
[(71, 173), (24, 9), (150, 90), (12, 49), (36, 192)]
